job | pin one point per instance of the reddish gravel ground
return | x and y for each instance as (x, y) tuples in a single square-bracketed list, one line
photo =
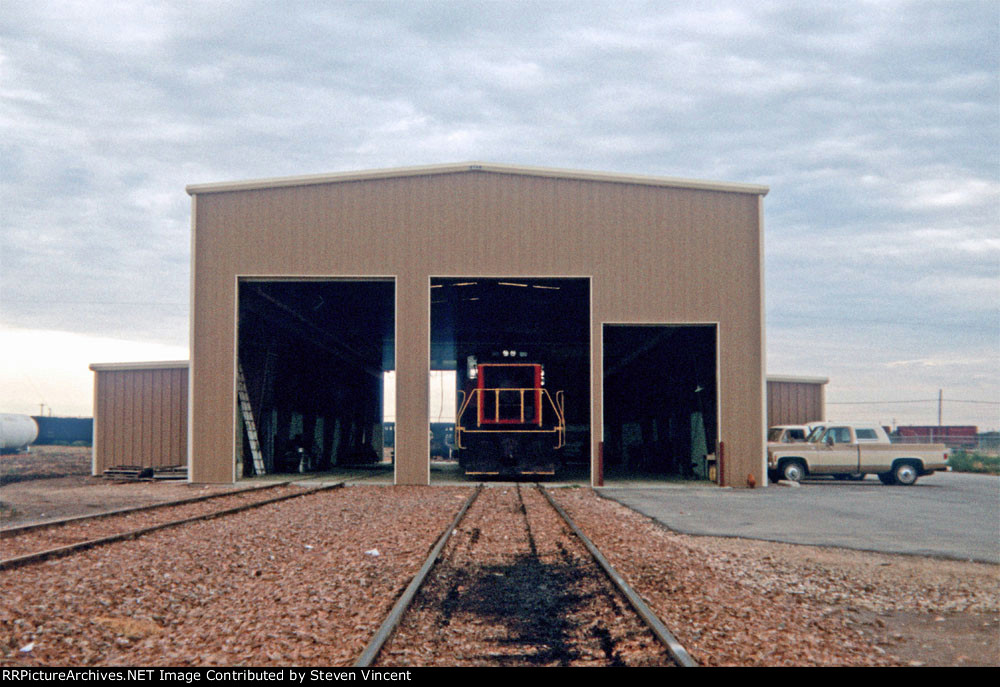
[(291, 583), (743, 603), (514, 587), (36, 540)]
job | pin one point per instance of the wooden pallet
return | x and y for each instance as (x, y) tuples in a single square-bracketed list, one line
[(138, 473)]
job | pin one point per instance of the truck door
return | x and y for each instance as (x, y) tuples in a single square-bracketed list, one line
[(837, 452)]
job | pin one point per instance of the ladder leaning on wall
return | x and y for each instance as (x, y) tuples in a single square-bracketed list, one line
[(248, 421)]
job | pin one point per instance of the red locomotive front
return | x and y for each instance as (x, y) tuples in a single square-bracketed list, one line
[(509, 423)]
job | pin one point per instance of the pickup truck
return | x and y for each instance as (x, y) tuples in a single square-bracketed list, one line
[(787, 434), (853, 450)]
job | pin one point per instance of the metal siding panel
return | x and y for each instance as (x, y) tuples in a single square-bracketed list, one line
[(112, 440), (112, 443), (133, 400), (161, 443), (146, 418), (101, 417), (158, 425), (184, 382), (120, 422), (173, 425), (171, 428), (794, 403)]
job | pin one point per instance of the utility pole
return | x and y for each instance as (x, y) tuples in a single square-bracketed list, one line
[(940, 399)]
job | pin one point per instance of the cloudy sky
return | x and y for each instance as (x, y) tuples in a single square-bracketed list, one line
[(876, 126)]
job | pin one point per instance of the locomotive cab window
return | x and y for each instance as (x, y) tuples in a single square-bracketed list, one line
[(510, 394)]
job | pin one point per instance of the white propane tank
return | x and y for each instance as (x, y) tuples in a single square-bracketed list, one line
[(16, 431)]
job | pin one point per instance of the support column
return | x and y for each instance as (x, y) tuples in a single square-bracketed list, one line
[(412, 374)]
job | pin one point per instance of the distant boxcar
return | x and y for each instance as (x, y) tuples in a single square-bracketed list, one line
[(64, 430)]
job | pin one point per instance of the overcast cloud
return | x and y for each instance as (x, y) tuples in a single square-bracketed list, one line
[(876, 126)]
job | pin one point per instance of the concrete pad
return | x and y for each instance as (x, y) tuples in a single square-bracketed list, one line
[(952, 515)]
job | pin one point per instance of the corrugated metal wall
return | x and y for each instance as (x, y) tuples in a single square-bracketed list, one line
[(655, 254), (140, 416), (794, 403)]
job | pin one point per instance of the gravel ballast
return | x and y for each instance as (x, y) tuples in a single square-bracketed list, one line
[(299, 583), (14, 544), (302, 582), (743, 603), (514, 587)]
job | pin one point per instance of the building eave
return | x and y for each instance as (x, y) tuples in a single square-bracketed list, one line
[(482, 167), (153, 365)]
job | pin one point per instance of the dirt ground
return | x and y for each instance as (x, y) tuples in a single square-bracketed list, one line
[(44, 461), (894, 610)]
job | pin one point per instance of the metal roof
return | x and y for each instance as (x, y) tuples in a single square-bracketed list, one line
[(492, 168), (155, 365), (798, 380)]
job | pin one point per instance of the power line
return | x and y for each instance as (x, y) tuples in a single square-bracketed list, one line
[(923, 400), (48, 302), (974, 319)]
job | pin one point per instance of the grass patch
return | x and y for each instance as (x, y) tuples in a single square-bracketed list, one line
[(974, 461)]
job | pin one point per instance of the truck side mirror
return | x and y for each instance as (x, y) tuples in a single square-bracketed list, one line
[(829, 440)]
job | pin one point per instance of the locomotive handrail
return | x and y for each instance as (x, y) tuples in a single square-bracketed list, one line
[(557, 403)]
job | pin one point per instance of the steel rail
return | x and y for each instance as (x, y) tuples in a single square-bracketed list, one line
[(391, 621), (62, 551), (9, 532), (677, 651)]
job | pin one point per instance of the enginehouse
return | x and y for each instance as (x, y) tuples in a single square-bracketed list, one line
[(507, 320)]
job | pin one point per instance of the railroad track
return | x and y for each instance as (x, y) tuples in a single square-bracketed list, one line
[(16, 531), (54, 539), (516, 582)]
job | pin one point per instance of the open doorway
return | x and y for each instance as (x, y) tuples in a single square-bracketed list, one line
[(519, 352), (441, 385), (311, 354), (660, 401)]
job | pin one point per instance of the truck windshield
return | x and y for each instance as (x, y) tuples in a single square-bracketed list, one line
[(815, 435)]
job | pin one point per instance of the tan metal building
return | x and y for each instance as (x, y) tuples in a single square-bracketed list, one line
[(795, 400), (646, 267), (140, 415)]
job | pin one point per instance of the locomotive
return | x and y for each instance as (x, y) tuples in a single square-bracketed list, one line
[(507, 422)]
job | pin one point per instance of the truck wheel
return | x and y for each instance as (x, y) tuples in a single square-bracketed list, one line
[(905, 474), (887, 478), (793, 471)]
